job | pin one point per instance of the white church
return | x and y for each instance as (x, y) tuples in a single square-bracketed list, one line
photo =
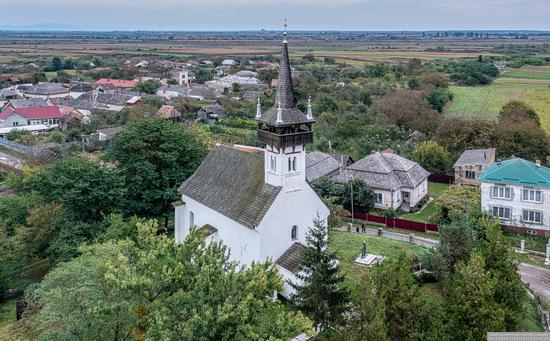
[(257, 201)]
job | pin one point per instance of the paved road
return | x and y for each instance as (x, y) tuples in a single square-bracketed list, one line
[(538, 278), (11, 161)]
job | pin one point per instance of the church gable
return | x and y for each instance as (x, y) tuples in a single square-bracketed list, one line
[(231, 182)]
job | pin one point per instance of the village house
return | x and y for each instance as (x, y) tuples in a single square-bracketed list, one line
[(107, 134), (27, 103), (257, 201), (170, 113), (471, 163), (53, 116), (79, 88), (183, 77), (517, 192), (397, 182), (212, 113), (46, 91), (7, 95), (171, 91), (116, 83), (322, 165)]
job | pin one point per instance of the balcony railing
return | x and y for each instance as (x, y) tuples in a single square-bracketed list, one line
[(286, 140)]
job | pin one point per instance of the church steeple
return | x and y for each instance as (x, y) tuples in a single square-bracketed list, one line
[(285, 130)]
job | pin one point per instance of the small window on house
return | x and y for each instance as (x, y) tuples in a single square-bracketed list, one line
[(191, 219), (501, 192), (294, 163), (294, 233), (501, 212), (470, 174), (529, 216), (379, 198), (531, 194)]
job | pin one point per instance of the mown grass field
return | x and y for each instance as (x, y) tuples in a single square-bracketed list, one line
[(529, 84)]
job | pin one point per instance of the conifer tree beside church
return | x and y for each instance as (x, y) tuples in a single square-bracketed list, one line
[(320, 295)]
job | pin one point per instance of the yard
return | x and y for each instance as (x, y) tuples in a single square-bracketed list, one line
[(434, 190), (348, 247), (529, 84)]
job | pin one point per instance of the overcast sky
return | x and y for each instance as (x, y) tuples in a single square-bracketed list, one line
[(269, 14)]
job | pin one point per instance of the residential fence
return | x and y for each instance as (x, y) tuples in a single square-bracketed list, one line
[(21, 148), (393, 222), (405, 224), (442, 178)]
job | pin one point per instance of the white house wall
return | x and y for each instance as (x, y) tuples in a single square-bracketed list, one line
[(287, 210), (14, 118), (517, 205), (243, 243)]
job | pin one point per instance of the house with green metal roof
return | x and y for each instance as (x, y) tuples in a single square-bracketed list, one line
[(517, 191)]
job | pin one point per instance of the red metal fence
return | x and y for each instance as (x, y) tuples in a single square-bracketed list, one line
[(398, 223), (425, 227)]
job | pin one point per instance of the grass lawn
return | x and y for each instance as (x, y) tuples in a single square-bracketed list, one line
[(348, 246), (529, 84), (434, 190)]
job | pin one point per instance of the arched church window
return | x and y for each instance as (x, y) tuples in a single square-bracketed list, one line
[(191, 218), (294, 163), (289, 164), (294, 233)]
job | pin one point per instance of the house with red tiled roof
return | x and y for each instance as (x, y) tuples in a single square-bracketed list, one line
[(50, 116), (118, 83)]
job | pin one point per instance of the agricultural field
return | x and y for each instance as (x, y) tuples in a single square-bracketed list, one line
[(530, 84)]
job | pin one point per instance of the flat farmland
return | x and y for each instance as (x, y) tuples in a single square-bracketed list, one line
[(529, 84)]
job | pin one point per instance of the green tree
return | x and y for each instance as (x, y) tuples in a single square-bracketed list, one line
[(203, 75), (457, 242), (86, 189), (456, 198), (431, 156), (57, 65), (321, 295), (517, 111), (148, 87), (521, 138), (438, 98), (501, 265), (152, 288), (154, 156), (470, 304)]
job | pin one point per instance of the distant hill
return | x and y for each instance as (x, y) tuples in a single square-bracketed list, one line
[(43, 27)]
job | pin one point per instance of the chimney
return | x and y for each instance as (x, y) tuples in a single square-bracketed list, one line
[(373, 151), (537, 163)]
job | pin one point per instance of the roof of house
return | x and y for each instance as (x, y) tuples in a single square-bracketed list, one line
[(476, 157), (83, 102), (81, 87), (517, 171), (33, 113), (174, 88), (212, 110), (209, 229), (28, 103), (47, 89), (119, 83), (231, 182), (252, 94), (292, 257), (8, 93), (110, 131), (290, 114), (113, 98), (319, 165), (386, 171), (168, 111), (342, 158)]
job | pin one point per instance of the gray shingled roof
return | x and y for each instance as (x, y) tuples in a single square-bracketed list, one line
[(285, 96), (28, 103), (47, 89), (209, 229), (386, 171), (319, 165), (231, 182), (476, 157), (291, 258)]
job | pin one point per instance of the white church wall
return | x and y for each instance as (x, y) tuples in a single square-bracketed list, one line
[(289, 208), (243, 243)]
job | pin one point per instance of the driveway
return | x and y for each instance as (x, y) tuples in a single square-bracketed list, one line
[(538, 278)]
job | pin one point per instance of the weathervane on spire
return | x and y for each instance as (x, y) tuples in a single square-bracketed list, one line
[(284, 33)]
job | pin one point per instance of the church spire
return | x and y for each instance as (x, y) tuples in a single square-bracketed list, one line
[(285, 93)]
